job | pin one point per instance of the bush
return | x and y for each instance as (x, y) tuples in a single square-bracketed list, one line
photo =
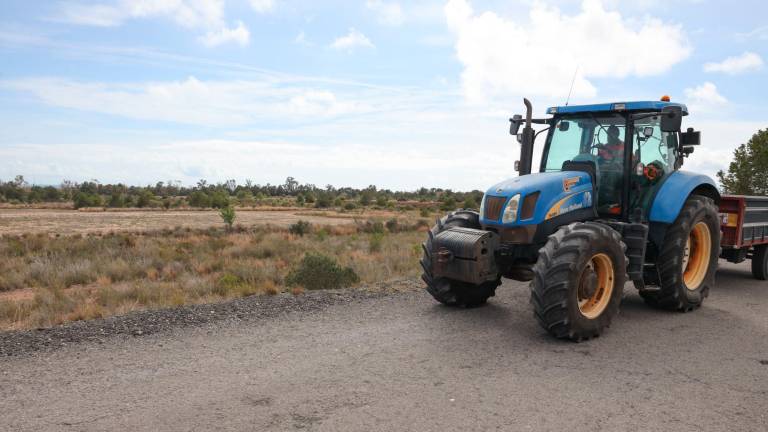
[(350, 206), (117, 200), (469, 203), (84, 199), (219, 199), (228, 216), (323, 201), (375, 242), (449, 204), (392, 225), (425, 212), (300, 228), (199, 199), (317, 271)]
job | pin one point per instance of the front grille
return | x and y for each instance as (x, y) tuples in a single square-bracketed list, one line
[(529, 206), (493, 206)]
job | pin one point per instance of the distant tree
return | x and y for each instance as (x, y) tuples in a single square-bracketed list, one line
[(219, 199), (199, 199), (469, 203), (145, 199), (748, 172), (116, 200), (323, 200), (84, 199)]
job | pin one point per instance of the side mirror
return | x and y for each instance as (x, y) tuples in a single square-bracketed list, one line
[(687, 150), (671, 118), (564, 126), (648, 131), (690, 138), (514, 124)]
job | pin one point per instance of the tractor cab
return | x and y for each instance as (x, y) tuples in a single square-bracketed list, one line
[(629, 147)]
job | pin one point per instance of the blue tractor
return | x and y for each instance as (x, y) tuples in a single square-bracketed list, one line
[(609, 204)]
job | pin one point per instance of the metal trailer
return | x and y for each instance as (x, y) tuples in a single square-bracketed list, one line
[(744, 224)]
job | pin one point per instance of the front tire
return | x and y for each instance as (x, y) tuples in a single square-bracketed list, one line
[(451, 292), (687, 262), (578, 280)]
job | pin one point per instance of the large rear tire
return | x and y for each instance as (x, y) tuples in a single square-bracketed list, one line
[(760, 262), (578, 280), (687, 261), (451, 292)]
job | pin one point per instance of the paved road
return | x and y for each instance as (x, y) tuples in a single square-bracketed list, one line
[(401, 362)]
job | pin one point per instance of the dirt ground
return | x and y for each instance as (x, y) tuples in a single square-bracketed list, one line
[(397, 362), (20, 221)]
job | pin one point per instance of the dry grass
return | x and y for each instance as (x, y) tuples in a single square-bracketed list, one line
[(46, 280)]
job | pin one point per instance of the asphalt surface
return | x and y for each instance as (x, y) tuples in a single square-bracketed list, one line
[(401, 362)]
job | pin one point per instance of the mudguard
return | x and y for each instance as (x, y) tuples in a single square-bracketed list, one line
[(675, 190)]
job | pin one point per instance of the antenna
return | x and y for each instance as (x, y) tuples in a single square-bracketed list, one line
[(573, 80)]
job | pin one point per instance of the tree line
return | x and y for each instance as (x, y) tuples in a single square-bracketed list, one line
[(173, 194)]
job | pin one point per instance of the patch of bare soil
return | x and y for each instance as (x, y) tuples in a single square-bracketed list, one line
[(66, 222)]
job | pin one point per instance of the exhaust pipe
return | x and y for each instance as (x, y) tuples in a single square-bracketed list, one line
[(526, 141)]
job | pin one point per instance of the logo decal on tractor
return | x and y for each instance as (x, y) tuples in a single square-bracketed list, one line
[(569, 183), (570, 203)]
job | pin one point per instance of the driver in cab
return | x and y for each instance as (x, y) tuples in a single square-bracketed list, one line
[(613, 150)]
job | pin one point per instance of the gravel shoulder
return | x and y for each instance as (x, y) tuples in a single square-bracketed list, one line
[(381, 362)]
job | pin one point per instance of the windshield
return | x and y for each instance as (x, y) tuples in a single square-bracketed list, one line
[(587, 137)]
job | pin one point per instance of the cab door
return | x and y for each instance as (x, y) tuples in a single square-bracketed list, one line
[(653, 159)]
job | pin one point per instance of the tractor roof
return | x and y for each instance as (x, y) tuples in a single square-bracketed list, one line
[(616, 106)]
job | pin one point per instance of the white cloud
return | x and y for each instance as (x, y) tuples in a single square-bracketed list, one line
[(353, 39), (239, 35), (389, 13), (746, 62), (192, 101), (503, 56), (704, 96), (760, 33), (207, 15), (262, 6), (301, 39)]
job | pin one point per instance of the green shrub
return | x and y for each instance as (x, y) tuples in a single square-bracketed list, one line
[(300, 228), (350, 206), (199, 199), (317, 271), (375, 242), (392, 225), (425, 212), (83, 199), (228, 216), (219, 199)]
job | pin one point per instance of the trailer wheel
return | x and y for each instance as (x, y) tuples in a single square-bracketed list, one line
[(688, 259), (451, 292), (578, 280), (760, 262)]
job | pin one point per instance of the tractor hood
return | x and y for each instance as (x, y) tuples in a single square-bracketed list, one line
[(548, 195)]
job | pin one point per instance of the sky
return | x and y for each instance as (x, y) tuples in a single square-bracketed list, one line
[(352, 93)]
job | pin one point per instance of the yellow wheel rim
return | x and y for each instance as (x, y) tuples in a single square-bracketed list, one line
[(698, 250), (595, 286)]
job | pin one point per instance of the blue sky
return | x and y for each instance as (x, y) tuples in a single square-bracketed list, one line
[(397, 94)]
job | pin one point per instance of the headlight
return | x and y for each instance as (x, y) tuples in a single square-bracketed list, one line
[(482, 207), (510, 213)]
